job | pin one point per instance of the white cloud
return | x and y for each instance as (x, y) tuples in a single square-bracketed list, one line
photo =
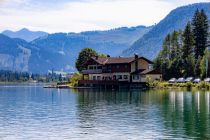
[(83, 15)]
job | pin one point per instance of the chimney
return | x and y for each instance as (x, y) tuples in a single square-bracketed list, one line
[(136, 56), (96, 57), (136, 61), (108, 56)]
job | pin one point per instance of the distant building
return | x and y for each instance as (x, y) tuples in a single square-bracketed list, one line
[(63, 74), (119, 69)]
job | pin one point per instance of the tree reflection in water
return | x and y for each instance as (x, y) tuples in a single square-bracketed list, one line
[(180, 114)]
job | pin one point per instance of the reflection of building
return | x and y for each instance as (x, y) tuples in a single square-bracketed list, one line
[(119, 69)]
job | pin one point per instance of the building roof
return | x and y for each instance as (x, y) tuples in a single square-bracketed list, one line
[(154, 71), (138, 71), (144, 72), (149, 61), (117, 60)]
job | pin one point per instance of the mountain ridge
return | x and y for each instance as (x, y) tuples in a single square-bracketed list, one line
[(25, 34), (177, 19), (59, 51)]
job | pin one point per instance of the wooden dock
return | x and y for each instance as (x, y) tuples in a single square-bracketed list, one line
[(58, 85)]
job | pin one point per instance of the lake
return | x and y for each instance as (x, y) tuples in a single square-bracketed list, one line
[(32, 112)]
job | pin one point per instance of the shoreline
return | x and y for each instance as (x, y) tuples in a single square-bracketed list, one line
[(188, 85), (22, 83), (152, 85)]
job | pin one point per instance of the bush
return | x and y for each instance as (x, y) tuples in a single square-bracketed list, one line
[(203, 85), (158, 84), (189, 85), (74, 80)]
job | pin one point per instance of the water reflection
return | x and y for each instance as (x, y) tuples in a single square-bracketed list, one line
[(171, 113), (37, 113), (207, 101)]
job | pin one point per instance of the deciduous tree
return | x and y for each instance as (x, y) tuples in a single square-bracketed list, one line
[(84, 55)]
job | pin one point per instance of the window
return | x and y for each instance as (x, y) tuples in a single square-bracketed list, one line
[(114, 77), (150, 66), (125, 77), (98, 77), (90, 67), (135, 77), (99, 67), (126, 66), (118, 66), (119, 77), (94, 77)]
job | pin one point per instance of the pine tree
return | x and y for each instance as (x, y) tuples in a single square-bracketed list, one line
[(183, 53), (60, 77), (174, 45), (197, 67), (187, 51), (188, 40), (203, 64), (165, 53), (189, 66), (200, 31), (162, 61), (175, 65)]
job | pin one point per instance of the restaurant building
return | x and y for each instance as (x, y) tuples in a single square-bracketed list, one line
[(118, 70)]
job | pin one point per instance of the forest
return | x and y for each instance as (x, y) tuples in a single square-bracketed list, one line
[(186, 53), (14, 76)]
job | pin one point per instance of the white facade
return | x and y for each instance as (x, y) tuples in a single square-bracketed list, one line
[(110, 76)]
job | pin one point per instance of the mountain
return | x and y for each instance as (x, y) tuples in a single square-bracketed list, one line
[(68, 45), (19, 55), (12, 55), (24, 34), (59, 51), (150, 44)]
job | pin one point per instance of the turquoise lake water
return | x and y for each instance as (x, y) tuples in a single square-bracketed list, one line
[(32, 112)]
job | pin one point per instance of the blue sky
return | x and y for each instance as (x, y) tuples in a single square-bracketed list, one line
[(82, 15)]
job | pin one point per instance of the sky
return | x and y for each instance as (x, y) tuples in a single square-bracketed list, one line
[(83, 15)]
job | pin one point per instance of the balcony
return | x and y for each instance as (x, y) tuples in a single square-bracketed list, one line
[(96, 71), (102, 82)]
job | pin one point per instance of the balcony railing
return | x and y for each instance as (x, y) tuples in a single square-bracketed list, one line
[(99, 82), (98, 71)]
